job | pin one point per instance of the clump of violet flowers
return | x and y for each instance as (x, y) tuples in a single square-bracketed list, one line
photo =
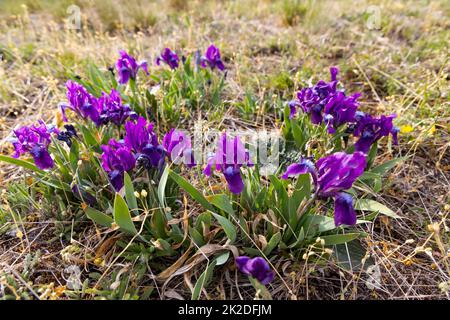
[(34, 140)]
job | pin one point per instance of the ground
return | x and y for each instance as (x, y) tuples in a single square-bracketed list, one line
[(394, 52)]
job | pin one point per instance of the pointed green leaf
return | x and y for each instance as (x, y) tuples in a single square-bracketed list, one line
[(282, 198), (273, 243), (122, 215), (21, 163), (196, 237), (159, 224), (129, 194), (222, 202), (89, 138), (193, 192), (74, 155), (227, 226), (99, 217), (385, 167), (299, 240), (223, 258), (374, 206), (340, 238), (162, 187), (203, 280)]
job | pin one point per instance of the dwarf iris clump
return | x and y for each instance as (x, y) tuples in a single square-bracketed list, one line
[(325, 103), (339, 110), (141, 138), (101, 111), (122, 144), (35, 141)]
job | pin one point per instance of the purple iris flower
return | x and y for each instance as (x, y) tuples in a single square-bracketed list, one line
[(370, 129), (338, 171), (230, 156), (340, 110), (34, 140), (304, 166), (116, 159), (178, 146), (332, 175), (127, 67), (313, 99), (212, 58), (257, 267), (344, 213), (310, 103), (112, 110), (137, 134), (169, 57), (324, 103), (140, 138), (81, 102)]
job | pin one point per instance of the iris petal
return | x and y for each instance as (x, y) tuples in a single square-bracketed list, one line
[(295, 169), (256, 267), (344, 213), (234, 180)]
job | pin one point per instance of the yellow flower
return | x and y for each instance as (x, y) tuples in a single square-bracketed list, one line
[(99, 262), (432, 130), (406, 128), (19, 234)]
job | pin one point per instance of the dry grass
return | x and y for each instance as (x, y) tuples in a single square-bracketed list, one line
[(401, 68)]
